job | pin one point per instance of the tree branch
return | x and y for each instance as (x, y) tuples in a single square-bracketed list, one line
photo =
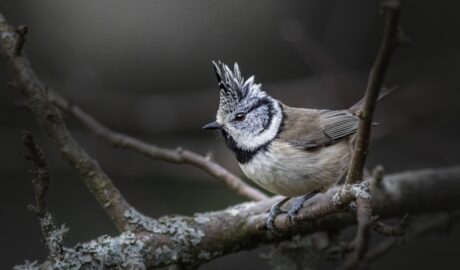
[(374, 84), (54, 237), (52, 122), (178, 156), (391, 9), (388, 230), (439, 222), (360, 244), (191, 241)]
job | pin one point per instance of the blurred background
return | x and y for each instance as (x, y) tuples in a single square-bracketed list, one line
[(144, 68)]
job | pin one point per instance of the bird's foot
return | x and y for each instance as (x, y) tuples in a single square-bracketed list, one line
[(275, 211), (298, 204)]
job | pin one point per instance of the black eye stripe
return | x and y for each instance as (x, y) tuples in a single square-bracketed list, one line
[(259, 103)]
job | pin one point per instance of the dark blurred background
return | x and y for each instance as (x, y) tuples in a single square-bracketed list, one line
[(144, 68)]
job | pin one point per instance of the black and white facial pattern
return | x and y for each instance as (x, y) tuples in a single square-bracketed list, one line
[(250, 118), (254, 122)]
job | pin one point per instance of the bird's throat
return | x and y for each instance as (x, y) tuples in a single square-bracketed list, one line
[(243, 155)]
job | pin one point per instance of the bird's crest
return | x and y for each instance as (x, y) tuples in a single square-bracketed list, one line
[(233, 87)]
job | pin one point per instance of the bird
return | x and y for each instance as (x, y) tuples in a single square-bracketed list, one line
[(293, 152)]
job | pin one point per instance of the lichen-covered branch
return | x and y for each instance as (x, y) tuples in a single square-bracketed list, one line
[(50, 119), (52, 235), (193, 240), (178, 156)]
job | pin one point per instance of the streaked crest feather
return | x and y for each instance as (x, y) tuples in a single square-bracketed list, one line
[(233, 87)]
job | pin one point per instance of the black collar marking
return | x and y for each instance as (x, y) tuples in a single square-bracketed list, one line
[(244, 156)]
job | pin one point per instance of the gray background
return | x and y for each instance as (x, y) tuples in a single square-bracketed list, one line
[(143, 67)]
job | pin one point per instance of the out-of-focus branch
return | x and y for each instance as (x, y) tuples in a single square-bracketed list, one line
[(54, 237), (388, 230), (178, 156), (50, 119), (191, 241), (434, 223)]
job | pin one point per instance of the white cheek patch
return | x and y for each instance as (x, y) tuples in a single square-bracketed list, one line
[(252, 142)]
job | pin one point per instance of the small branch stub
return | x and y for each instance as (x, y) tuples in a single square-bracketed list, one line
[(377, 176), (20, 41)]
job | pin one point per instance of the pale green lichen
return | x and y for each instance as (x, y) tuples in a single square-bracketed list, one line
[(238, 209), (337, 198), (166, 255), (201, 218), (28, 265), (204, 255), (54, 237), (123, 252), (180, 230), (361, 190)]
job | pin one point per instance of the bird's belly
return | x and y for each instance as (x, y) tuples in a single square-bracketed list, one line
[(294, 172)]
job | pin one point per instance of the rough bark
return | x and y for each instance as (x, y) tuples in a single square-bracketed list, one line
[(193, 240)]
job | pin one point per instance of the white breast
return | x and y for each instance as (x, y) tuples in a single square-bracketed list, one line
[(292, 172)]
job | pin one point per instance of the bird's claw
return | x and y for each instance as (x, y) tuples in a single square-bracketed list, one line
[(292, 214), (298, 204), (274, 212)]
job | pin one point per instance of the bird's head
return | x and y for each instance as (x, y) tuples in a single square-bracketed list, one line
[(247, 116)]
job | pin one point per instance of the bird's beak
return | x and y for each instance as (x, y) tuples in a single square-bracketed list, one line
[(213, 125)]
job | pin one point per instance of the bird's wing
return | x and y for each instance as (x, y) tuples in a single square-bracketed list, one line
[(310, 129), (338, 124)]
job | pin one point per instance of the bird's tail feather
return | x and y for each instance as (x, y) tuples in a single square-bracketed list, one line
[(383, 93)]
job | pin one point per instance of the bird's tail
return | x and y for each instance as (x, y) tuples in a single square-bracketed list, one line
[(383, 93)]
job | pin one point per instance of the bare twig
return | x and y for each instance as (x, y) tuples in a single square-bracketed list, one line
[(374, 84), (178, 156), (40, 173), (361, 149), (54, 237), (52, 122), (388, 230), (22, 32), (434, 223), (377, 176), (360, 244)]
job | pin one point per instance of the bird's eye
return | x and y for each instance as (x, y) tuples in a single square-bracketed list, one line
[(240, 116)]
